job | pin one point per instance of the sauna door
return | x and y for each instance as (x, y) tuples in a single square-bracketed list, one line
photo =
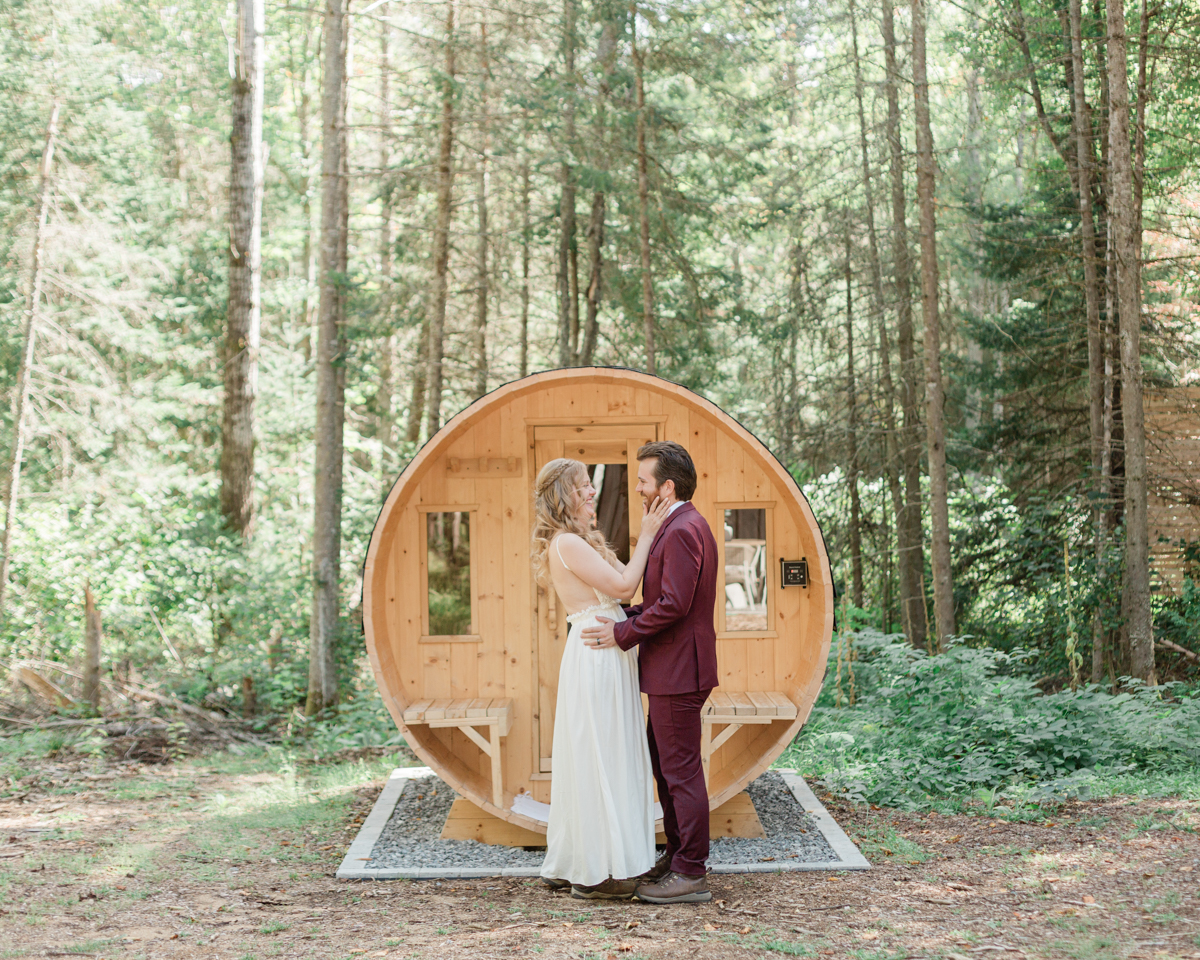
[(610, 450)]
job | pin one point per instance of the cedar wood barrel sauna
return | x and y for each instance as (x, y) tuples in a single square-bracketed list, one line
[(465, 645)]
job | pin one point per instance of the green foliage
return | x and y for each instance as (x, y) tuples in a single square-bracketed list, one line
[(949, 725)]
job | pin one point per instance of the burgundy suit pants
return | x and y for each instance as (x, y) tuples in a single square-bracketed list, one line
[(673, 731)]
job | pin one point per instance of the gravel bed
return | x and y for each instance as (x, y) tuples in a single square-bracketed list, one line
[(410, 839), (790, 832)]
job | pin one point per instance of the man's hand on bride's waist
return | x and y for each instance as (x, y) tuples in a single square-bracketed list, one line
[(600, 635)]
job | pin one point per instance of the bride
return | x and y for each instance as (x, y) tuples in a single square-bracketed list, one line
[(600, 835)]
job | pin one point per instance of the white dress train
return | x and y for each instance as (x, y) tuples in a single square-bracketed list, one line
[(601, 820)]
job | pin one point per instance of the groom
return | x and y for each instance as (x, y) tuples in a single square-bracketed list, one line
[(678, 666)]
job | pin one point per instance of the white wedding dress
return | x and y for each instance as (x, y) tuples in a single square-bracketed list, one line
[(601, 820)]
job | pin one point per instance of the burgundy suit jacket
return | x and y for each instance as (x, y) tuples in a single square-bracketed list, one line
[(674, 621)]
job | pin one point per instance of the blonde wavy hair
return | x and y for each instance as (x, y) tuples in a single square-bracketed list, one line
[(555, 499)]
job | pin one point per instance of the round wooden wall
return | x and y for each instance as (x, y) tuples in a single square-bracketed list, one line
[(478, 473)]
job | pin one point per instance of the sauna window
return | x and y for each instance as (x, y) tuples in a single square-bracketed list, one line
[(448, 567), (611, 481), (746, 570)]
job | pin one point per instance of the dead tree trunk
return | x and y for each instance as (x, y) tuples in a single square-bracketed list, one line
[(643, 201), (935, 428), (20, 402), (441, 237), (331, 372), (1135, 587), (243, 311), (909, 539), (482, 287), (92, 634), (856, 592)]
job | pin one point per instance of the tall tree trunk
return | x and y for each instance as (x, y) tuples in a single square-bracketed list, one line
[(643, 201), (482, 290), (20, 404), (420, 369), (1135, 588), (568, 283), (605, 56), (385, 427), (935, 428), (441, 237), (92, 637), (331, 371), (1091, 290), (525, 241), (892, 457), (856, 568), (243, 311), (909, 538)]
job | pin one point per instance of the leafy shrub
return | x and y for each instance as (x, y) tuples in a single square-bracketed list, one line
[(969, 720)]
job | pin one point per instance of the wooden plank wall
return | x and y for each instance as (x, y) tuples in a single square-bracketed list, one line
[(502, 663), (1173, 449)]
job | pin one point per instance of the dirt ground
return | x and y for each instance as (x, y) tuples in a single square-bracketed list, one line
[(193, 861)]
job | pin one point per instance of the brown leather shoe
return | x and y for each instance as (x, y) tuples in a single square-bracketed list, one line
[(610, 889), (555, 883), (662, 866), (676, 888)]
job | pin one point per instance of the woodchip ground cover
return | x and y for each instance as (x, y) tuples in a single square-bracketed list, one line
[(233, 857)]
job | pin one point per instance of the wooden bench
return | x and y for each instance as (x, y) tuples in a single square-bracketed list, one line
[(735, 710), (466, 715)]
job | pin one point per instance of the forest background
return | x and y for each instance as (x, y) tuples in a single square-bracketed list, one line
[(253, 255)]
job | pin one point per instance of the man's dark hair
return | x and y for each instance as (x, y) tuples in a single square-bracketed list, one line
[(674, 463)]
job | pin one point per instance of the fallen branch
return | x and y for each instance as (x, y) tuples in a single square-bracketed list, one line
[(41, 687), (1170, 645)]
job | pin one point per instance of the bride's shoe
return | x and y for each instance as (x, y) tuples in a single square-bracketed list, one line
[(610, 889), (555, 883)]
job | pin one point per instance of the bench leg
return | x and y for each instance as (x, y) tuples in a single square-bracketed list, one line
[(497, 773), (706, 748)]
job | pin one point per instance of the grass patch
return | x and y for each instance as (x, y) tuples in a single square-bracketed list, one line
[(884, 843)]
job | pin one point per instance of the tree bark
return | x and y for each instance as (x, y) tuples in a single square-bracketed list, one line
[(420, 368), (331, 372), (525, 241), (856, 568), (1135, 591), (386, 423), (441, 237), (92, 634), (891, 465), (243, 311), (1091, 290), (482, 287), (21, 391), (568, 283), (643, 202), (909, 538), (935, 428), (595, 232)]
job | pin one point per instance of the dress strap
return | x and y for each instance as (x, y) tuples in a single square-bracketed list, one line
[(558, 548)]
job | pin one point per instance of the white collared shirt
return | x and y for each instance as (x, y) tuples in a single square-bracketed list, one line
[(675, 506)]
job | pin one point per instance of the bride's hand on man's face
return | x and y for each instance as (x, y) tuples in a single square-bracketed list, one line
[(654, 516)]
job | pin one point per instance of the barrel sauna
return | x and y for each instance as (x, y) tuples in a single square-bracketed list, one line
[(464, 644)]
